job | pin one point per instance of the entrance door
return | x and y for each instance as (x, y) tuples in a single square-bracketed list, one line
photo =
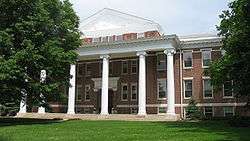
[(110, 101)]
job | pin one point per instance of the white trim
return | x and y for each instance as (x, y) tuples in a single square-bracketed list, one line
[(124, 84), (202, 50), (183, 61), (131, 85), (186, 79)]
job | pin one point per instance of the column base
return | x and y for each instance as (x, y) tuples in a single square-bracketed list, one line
[(142, 113), (71, 112), (41, 110), (104, 113)]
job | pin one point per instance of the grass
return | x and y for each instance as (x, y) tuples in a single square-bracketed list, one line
[(77, 130)]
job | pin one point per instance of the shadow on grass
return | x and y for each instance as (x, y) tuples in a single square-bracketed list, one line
[(221, 127), (6, 121)]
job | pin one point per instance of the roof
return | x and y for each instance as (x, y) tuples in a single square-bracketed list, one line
[(108, 22)]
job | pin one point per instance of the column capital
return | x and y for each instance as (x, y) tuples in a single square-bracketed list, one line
[(141, 53), (170, 51), (106, 56)]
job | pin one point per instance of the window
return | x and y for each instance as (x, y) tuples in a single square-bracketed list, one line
[(162, 88), (88, 69), (134, 111), (228, 111), (110, 68), (208, 112), (227, 89), (162, 110), (188, 88), (188, 58), (133, 91), (87, 92), (110, 38), (104, 39), (124, 92), (79, 70), (140, 35), (118, 38), (124, 67), (206, 57), (207, 88), (133, 66), (95, 40), (78, 93), (161, 62)]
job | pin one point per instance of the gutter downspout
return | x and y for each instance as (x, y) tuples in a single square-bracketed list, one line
[(181, 83)]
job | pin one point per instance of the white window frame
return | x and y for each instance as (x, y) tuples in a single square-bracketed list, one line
[(223, 90), (184, 79), (116, 38), (202, 50), (158, 110), (224, 113), (134, 65), (205, 110), (164, 60), (131, 91), (203, 90), (123, 66), (78, 87), (124, 84), (166, 93), (140, 35), (183, 61), (85, 91)]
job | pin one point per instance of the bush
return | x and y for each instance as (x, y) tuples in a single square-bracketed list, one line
[(192, 111)]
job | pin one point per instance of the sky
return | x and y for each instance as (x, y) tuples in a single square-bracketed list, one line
[(181, 17)]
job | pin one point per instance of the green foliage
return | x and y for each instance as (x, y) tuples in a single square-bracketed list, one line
[(234, 65), (36, 35), (192, 111)]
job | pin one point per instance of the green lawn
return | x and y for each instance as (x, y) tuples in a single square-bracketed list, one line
[(78, 130)]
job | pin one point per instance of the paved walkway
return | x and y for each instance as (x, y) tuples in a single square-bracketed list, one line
[(125, 117)]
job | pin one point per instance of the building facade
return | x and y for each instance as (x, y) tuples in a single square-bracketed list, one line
[(127, 65)]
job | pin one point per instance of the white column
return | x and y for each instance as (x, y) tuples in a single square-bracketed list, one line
[(23, 104), (71, 95), (105, 84), (170, 81), (41, 109), (142, 83)]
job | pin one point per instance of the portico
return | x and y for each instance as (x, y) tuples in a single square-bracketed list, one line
[(137, 48)]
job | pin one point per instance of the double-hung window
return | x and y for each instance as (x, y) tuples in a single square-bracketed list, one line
[(124, 95), (206, 58), (162, 89), (208, 112), (124, 67), (133, 66), (187, 59), (134, 91), (87, 92), (207, 88), (188, 88), (228, 111), (227, 89), (161, 62)]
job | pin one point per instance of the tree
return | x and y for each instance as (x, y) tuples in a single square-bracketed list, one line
[(234, 65), (36, 35)]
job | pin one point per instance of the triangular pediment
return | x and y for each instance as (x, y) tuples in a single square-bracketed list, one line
[(109, 22)]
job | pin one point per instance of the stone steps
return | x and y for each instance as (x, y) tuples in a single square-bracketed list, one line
[(125, 117)]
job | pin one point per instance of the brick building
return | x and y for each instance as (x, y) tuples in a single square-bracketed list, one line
[(127, 65)]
